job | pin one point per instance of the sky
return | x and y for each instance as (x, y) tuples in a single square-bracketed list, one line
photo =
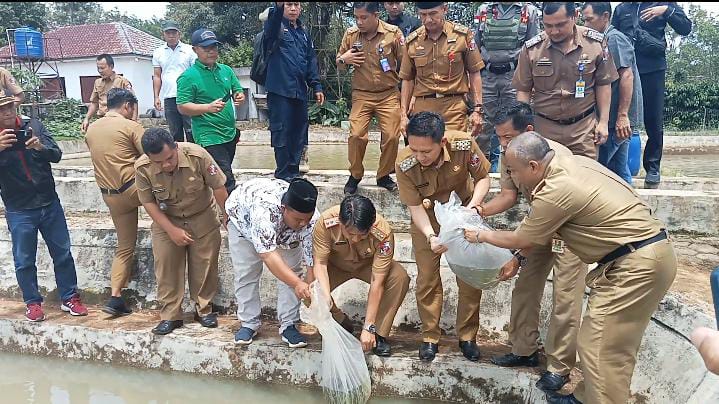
[(148, 10)]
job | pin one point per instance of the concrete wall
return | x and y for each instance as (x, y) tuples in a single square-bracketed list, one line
[(137, 69)]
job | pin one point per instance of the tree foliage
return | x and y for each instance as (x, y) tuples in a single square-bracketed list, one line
[(15, 15), (64, 13)]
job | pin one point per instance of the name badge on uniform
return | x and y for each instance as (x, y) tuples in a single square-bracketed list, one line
[(558, 246), (385, 64), (579, 89)]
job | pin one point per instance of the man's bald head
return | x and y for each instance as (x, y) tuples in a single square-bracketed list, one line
[(529, 146)]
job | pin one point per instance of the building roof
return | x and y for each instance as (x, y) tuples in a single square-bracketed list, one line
[(91, 40)]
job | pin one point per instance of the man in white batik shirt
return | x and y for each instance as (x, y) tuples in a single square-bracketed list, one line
[(271, 223)]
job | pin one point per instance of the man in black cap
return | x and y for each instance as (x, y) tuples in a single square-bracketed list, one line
[(203, 92), (271, 223)]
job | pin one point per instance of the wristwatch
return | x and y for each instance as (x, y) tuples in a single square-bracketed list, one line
[(478, 108), (429, 237), (522, 259), (372, 329), (342, 61)]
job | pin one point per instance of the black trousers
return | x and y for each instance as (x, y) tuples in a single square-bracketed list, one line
[(653, 93), (180, 125), (288, 133), (224, 154)]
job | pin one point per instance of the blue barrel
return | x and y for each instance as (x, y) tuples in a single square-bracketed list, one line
[(29, 43), (714, 281), (635, 153)]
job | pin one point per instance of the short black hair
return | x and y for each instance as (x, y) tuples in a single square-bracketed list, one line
[(357, 211), (155, 139), (551, 7), (520, 113), (370, 6), (118, 96), (426, 124), (108, 59), (599, 7)]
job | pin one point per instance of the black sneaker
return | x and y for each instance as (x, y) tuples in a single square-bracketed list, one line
[(116, 307), (387, 183), (511, 360), (351, 185), (551, 381), (382, 346)]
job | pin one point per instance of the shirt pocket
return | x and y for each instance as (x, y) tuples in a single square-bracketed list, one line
[(543, 76), (161, 194), (421, 63), (427, 188)]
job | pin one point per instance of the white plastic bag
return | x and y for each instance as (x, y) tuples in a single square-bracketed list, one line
[(344, 376), (478, 264)]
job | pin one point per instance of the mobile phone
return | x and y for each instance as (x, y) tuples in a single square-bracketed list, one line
[(357, 46), (22, 136), (227, 97)]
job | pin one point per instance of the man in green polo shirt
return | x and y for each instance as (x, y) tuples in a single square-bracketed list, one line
[(202, 93)]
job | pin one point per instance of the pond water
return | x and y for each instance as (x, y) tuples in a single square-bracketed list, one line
[(29, 379)]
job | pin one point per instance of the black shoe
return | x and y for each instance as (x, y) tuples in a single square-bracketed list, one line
[(209, 321), (167, 326), (511, 360), (351, 185), (556, 398), (551, 381), (382, 348), (116, 307), (346, 323), (387, 183), (470, 350), (427, 351)]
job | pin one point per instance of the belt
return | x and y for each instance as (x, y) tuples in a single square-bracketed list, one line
[(569, 121), (118, 191), (438, 95), (501, 68), (631, 247)]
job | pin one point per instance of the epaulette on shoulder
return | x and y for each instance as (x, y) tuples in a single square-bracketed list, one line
[(352, 30), (194, 150), (535, 40), (461, 29), (414, 35), (378, 233), (462, 145), (408, 163), (142, 161), (331, 221), (596, 35), (391, 28)]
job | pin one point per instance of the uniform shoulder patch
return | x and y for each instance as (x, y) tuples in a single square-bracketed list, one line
[(413, 35), (592, 34), (142, 161), (461, 29), (535, 40), (384, 248), (408, 163), (462, 145), (378, 233), (352, 30), (332, 221), (390, 27)]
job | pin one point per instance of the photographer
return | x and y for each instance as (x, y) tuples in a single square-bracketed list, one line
[(31, 205)]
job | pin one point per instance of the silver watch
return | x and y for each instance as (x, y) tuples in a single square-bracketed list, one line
[(372, 329)]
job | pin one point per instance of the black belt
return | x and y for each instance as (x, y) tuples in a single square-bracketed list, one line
[(118, 191), (501, 68), (438, 95), (569, 121), (631, 247)]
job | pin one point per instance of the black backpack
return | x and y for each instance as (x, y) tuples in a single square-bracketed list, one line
[(260, 57)]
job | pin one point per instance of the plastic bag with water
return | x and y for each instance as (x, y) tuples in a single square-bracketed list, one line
[(344, 376), (478, 264)]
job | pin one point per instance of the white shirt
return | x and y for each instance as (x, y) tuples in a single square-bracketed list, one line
[(173, 63), (255, 209)]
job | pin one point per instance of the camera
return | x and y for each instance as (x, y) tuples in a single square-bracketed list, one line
[(22, 137)]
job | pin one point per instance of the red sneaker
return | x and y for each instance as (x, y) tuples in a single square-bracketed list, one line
[(74, 306), (34, 312)]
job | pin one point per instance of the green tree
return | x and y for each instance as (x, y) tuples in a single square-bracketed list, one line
[(74, 13), (152, 27), (696, 56), (15, 15)]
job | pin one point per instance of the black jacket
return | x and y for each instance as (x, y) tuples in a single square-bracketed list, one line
[(623, 20), (26, 180)]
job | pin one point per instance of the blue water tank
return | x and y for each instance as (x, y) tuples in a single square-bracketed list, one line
[(635, 153), (28, 43)]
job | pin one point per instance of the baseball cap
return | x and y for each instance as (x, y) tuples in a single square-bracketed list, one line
[(204, 37), (168, 25)]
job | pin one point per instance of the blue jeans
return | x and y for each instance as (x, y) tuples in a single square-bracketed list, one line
[(50, 221), (614, 154)]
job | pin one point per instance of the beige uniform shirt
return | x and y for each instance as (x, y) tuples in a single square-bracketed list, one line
[(102, 86), (589, 207), (506, 181), (375, 251), (115, 144), (462, 165), (441, 66), (553, 75), (186, 192), (388, 44), (8, 83)]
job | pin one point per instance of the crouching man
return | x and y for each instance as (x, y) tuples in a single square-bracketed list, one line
[(351, 241), (270, 223)]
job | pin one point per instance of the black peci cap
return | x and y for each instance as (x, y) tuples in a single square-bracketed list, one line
[(426, 5), (301, 196)]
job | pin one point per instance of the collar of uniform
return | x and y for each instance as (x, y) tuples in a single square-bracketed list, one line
[(182, 162), (448, 28), (111, 78), (577, 41), (380, 28), (113, 114)]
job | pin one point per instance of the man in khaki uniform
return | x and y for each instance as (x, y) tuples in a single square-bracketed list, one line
[(176, 183), (440, 66), (115, 144), (10, 86), (108, 79), (560, 344), (352, 241), (570, 71), (602, 219), (374, 48), (435, 164)]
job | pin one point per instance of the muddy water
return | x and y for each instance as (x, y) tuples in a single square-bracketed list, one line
[(334, 157), (28, 379)]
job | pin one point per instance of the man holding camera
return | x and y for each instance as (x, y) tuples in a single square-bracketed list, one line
[(27, 188)]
